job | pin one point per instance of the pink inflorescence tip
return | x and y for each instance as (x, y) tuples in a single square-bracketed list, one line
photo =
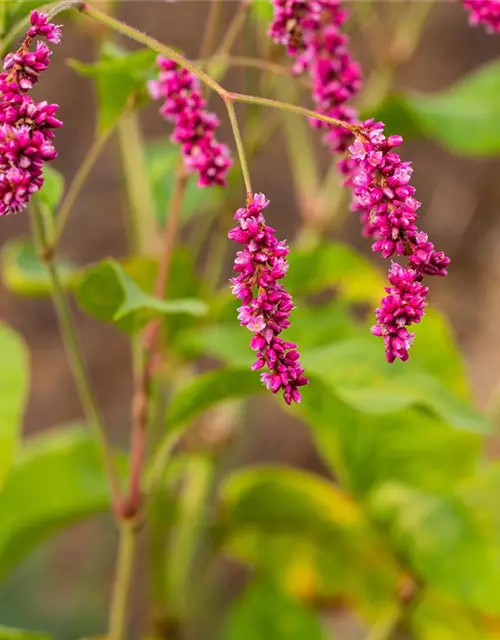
[(266, 305), (26, 126), (485, 13), (386, 202), (311, 31), (195, 127)]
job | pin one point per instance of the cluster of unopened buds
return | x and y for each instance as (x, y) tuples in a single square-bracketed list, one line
[(266, 305), (485, 13), (26, 126), (185, 106), (311, 32), (386, 202)]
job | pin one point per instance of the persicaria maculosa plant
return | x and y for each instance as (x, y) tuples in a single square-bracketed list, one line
[(308, 48)]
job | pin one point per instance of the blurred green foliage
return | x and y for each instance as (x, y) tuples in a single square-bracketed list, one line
[(410, 497)]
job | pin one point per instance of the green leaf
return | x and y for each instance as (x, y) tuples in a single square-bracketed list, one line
[(14, 385), (226, 342), (439, 617), (57, 480), (53, 188), (463, 118), (435, 350), (361, 377), (25, 274), (410, 446), (307, 534), (163, 158), (262, 10), (264, 612), (336, 267), (120, 77), (279, 499), (441, 538), (10, 633), (210, 389), (106, 292)]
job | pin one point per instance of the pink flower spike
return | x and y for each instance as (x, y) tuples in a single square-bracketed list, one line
[(266, 304), (26, 126), (385, 199), (311, 30), (184, 106)]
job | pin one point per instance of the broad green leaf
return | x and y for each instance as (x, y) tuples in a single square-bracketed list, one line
[(10, 633), (442, 539), (336, 267), (263, 11), (209, 389), (14, 384), (437, 617), (435, 350), (57, 480), (120, 77), (226, 342), (397, 116), (279, 499), (307, 534), (53, 188), (163, 158), (463, 118), (25, 274), (356, 371), (264, 612), (107, 293), (410, 446)]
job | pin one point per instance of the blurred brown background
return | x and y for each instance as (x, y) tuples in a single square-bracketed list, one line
[(461, 204)]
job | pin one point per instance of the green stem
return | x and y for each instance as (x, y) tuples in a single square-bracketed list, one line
[(142, 218), (250, 63), (239, 145), (74, 356), (165, 50), (77, 184), (234, 28), (151, 43), (123, 581), (211, 28), (198, 478), (292, 108)]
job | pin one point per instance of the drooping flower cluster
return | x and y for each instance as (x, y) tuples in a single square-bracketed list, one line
[(26, 126), (311, 31), (266, 305), (484, 12), (195, 127), (386, 201)]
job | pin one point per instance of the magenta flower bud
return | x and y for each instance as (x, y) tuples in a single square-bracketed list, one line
[(266, 304), (485, 13)]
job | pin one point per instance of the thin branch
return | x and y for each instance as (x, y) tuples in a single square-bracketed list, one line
[(74, 357)]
